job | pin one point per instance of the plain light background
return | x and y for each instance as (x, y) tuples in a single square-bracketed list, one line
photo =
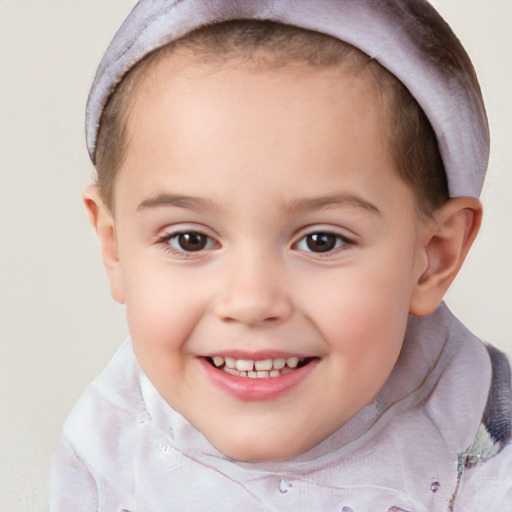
[(58, 324)]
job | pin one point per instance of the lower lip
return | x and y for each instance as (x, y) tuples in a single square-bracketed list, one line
[(259, 389)]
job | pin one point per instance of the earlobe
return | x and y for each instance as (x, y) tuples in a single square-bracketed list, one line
[(103, 223), (447, 239)]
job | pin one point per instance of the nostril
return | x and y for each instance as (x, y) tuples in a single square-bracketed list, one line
[(252, 319), (252, 303)]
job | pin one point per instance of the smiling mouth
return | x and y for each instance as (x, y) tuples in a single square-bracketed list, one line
[(258, 369)]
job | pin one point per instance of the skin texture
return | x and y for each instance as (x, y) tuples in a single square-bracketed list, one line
[(256, 161)]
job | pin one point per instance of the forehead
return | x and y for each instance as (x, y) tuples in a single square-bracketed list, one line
[(297, 93), (200, 127), (312, 52), (184, 74)]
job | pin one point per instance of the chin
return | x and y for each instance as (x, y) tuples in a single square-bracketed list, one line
[(258, 448), (250, 454)]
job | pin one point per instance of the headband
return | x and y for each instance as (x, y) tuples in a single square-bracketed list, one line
[(386, 30)]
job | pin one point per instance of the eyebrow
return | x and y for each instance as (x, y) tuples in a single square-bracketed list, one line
[(175, 200), (333, 201), (297, 205)]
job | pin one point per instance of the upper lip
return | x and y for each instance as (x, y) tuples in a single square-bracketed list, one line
[(258, 355)]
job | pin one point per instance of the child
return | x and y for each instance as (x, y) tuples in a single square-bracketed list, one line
[(285, 192)]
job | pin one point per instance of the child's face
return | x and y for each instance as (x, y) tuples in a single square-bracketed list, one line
[(259, 217)]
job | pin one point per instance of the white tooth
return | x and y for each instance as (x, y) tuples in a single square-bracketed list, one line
[(274, 373), (263, 374), (252, 375), (244, 365), (218, 361), (292, 362), (266, 364), (231, 371), (279, 363), (243, 374), (230, 362)]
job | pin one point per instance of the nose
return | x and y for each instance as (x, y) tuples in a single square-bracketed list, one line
[(253, 292)]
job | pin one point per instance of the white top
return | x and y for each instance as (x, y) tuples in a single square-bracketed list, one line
[(124, 448)]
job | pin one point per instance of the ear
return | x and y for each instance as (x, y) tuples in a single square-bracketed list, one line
[(103, 223), (446, 240)]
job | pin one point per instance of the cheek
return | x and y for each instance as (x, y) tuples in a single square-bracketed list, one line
[(362, 313), (367, 329), (366, 340), (162, 311), (163, 305)]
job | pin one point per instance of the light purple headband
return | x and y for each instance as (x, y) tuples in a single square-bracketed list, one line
[(386, 30)]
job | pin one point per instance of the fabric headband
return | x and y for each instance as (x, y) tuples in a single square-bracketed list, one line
[(386, 30)]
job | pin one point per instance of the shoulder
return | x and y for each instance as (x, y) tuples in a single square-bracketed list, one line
[(103, 422), (99, 439), (487, 485), (484, 468), (471, 408)]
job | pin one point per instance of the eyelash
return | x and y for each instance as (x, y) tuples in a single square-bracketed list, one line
[(341, 243), (166, 240)]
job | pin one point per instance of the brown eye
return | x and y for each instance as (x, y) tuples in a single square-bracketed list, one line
[(190, 242), (321, 242)]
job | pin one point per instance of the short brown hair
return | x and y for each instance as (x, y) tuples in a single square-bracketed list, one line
[(269, 45)]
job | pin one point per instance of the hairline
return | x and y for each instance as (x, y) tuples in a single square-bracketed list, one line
[(265, 59)]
